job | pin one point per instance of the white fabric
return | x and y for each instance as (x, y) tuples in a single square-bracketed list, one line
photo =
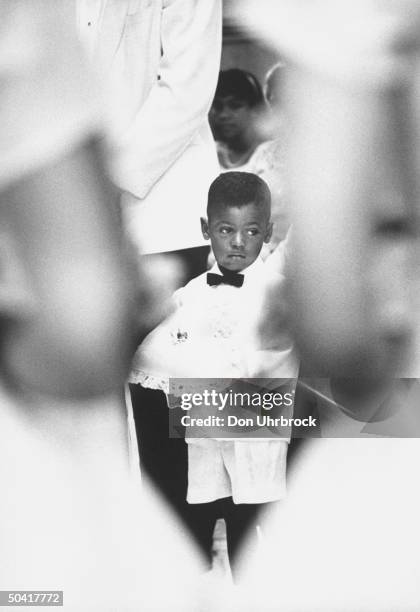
[(214, 332), (133, 448), (349, 528), (49, 103), (280, 258), (348, 532), (221, 326), (72, 514), (89, 15), (252, 472), (363, 41), (160, 60)]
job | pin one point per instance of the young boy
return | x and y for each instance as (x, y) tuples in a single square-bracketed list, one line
[(214, 332)]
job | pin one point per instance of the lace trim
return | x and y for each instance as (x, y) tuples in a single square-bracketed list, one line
[(138, 377)]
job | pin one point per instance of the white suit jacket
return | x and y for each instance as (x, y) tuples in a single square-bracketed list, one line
[(160, 60)]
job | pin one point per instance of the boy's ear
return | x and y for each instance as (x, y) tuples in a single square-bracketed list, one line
[(16, 297), (205, 228), (269, 232)]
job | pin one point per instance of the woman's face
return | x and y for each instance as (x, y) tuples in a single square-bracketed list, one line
[(230, 118)]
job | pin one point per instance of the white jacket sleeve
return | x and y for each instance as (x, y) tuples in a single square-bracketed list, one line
[(177, 105)]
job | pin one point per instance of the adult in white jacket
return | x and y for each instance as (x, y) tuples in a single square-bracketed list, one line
[(163, 57)]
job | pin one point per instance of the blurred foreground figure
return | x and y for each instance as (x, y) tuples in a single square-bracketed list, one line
[(69, 512), (353, 101), (347, 538)]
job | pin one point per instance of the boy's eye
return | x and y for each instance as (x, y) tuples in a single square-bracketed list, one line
[(252, 232), (225, 230)]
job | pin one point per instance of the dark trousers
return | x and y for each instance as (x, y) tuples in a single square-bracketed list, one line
[(165, 460)]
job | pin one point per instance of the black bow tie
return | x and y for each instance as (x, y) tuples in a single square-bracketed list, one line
[(228, 278)]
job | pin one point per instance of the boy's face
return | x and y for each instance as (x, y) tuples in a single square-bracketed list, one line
[(237, 235)]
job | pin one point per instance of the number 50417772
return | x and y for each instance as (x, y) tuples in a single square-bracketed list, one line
[(31, 598)]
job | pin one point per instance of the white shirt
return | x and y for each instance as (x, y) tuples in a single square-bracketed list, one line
[(223, 319), (89, 15)]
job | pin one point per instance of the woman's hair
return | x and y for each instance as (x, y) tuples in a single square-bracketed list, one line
[(241, 84)]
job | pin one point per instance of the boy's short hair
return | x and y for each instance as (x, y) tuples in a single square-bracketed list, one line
[(237, 189), (240, 84)]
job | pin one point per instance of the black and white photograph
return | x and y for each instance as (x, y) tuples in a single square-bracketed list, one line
[(210, 305)]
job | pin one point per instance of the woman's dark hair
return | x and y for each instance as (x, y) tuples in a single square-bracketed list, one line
[(241, 84)]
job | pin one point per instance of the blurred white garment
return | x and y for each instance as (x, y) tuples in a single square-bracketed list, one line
[(71, 518), (278, 260), (38, 55), (347, 538), (352, 98), (159, 61), (310, 32)]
